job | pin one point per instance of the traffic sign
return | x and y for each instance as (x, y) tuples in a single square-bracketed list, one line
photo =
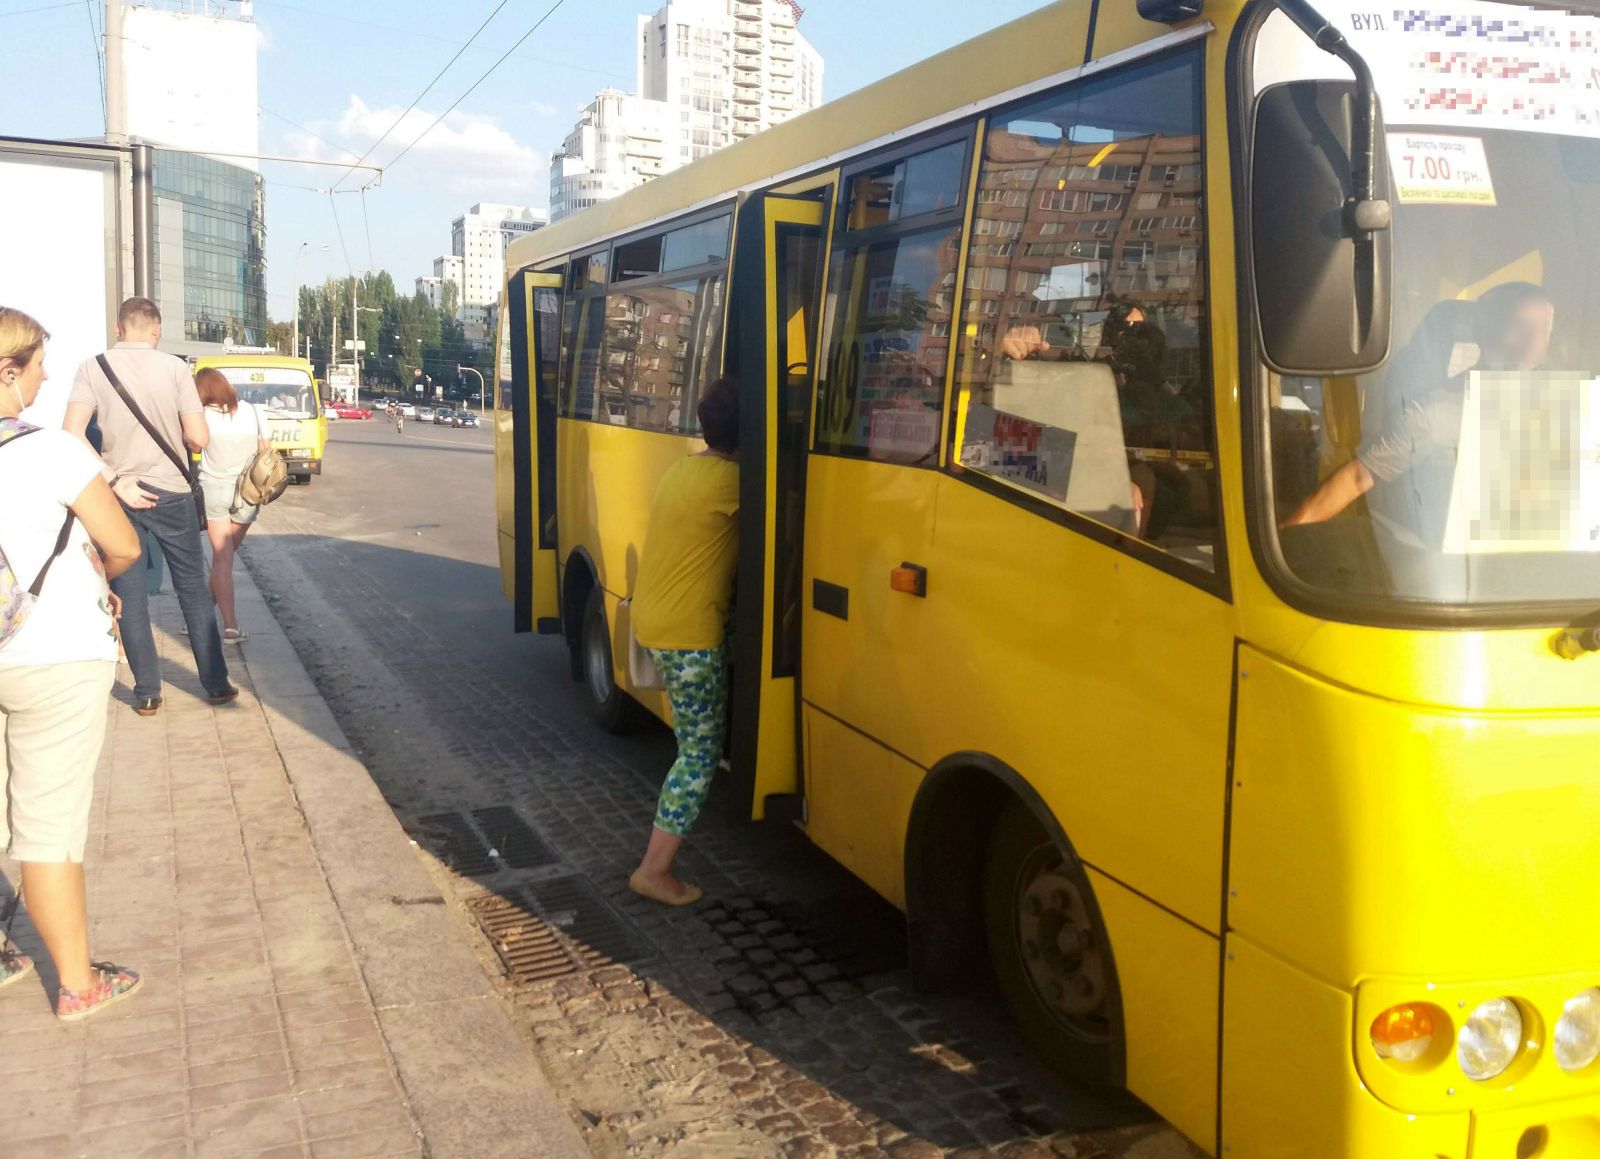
[(359, 347)]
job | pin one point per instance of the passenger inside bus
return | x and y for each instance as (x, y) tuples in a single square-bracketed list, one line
[(1158, 417), (1415, 451)]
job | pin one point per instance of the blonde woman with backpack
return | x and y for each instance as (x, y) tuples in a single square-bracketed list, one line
[(238, 433), (62, 533)]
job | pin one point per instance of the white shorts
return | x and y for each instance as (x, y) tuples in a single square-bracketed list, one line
[(54, 722)]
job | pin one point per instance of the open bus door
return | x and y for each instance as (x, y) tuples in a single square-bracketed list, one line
[(532, 334), (777, 280)]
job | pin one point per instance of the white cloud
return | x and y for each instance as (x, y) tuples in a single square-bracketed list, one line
[(540, 109), (466, 152)]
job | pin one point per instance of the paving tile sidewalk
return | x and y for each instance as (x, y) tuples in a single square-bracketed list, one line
[(307, 993)]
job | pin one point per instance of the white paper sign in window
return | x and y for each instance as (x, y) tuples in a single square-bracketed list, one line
[(1432, 169)]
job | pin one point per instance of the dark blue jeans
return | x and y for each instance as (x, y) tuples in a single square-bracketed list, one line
[(175, 524)]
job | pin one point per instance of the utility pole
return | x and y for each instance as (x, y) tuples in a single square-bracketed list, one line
[(333, 352), (355, 332), (116, 86)]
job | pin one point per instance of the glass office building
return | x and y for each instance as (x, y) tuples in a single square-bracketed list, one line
[(209, 262)]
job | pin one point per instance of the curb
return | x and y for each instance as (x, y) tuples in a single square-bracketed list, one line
[(475, 1087)]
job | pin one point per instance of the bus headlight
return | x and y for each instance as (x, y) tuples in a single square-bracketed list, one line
[(1489, 1041), (1578, 1031)]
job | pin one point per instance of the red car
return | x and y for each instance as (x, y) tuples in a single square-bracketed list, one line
[(349, 410)]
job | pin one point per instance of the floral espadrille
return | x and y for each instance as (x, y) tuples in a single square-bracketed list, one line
[(112, 984), (14, 967)]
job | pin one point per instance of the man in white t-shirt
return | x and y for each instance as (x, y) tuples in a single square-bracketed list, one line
[(154, 492)]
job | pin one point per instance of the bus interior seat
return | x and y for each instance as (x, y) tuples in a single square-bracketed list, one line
[(1078, 401)]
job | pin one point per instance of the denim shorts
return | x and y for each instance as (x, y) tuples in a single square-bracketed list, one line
[(219, 498)]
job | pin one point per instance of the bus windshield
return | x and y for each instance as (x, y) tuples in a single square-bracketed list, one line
[(283, 392), (1466, 471)]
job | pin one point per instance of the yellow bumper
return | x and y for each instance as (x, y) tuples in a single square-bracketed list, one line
[(1292, 1087)]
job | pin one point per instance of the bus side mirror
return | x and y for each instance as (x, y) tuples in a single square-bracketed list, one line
[(1321, 272)]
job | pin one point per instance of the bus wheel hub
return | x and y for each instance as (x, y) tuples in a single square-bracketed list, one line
[(1060, 956)]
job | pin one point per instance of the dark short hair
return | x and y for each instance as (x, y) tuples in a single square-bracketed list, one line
[(719, 415), (1496, 305), (140, 310)]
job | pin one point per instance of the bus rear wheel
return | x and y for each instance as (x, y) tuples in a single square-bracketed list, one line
[(1051, 958), (612, 708)]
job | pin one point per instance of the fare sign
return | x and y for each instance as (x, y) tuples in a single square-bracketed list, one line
[(1432, 169)]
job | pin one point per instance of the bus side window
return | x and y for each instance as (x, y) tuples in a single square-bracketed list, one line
[(1083, 374), (886, 341)]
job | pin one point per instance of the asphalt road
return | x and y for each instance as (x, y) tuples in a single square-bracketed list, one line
[(775, 1018)]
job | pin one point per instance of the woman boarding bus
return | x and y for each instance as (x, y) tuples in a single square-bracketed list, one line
[(1269, 798)]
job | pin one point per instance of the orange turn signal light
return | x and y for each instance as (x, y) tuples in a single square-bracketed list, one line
[(909, 578), (1403, 1032)]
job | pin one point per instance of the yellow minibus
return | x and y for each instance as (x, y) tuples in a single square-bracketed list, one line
[(1170, 537), (286, 391)]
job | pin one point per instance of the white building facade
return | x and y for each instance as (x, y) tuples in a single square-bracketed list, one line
[(618, 142), (478, 241), (710, 72), (726, 69)]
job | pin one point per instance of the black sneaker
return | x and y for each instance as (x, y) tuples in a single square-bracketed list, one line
[(230, 695)]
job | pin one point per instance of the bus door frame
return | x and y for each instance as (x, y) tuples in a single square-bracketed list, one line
[(536, 600), (765, 742)]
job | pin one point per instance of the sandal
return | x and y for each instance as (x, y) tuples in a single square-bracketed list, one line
[(115, 983), (14, 967), (235, 635), (690, 894)]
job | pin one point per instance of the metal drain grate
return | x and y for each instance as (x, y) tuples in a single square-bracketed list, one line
[(463, 850), (556, 927), (599, 933), (528, 948), (518, 845)]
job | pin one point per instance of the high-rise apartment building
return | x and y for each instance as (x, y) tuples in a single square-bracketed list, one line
[(446, 272), (476, 263), (618, 142), (726, 69), (709, 73)]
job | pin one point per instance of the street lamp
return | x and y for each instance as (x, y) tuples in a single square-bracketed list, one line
[(295, 349), (473, 370)]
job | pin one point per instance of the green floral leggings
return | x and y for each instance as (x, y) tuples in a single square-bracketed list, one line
[(697, 688)]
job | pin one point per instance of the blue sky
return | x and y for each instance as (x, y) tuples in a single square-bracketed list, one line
[(335, 73)]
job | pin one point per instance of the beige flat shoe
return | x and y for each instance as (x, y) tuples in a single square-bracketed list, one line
[(690, 894)]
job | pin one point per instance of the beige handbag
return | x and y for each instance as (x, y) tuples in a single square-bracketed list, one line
[(264, 477)]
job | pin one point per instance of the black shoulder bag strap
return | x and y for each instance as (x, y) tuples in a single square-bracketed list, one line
[(185, 468), (65, 533)]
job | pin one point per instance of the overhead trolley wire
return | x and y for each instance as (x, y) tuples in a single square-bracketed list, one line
[(548, 13), (334, 205), (367, 225), (99, 59), (428, 88)]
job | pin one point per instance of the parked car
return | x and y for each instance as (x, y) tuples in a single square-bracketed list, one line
[(424, 414), (442, 416), (348, 410), (464, 418)]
